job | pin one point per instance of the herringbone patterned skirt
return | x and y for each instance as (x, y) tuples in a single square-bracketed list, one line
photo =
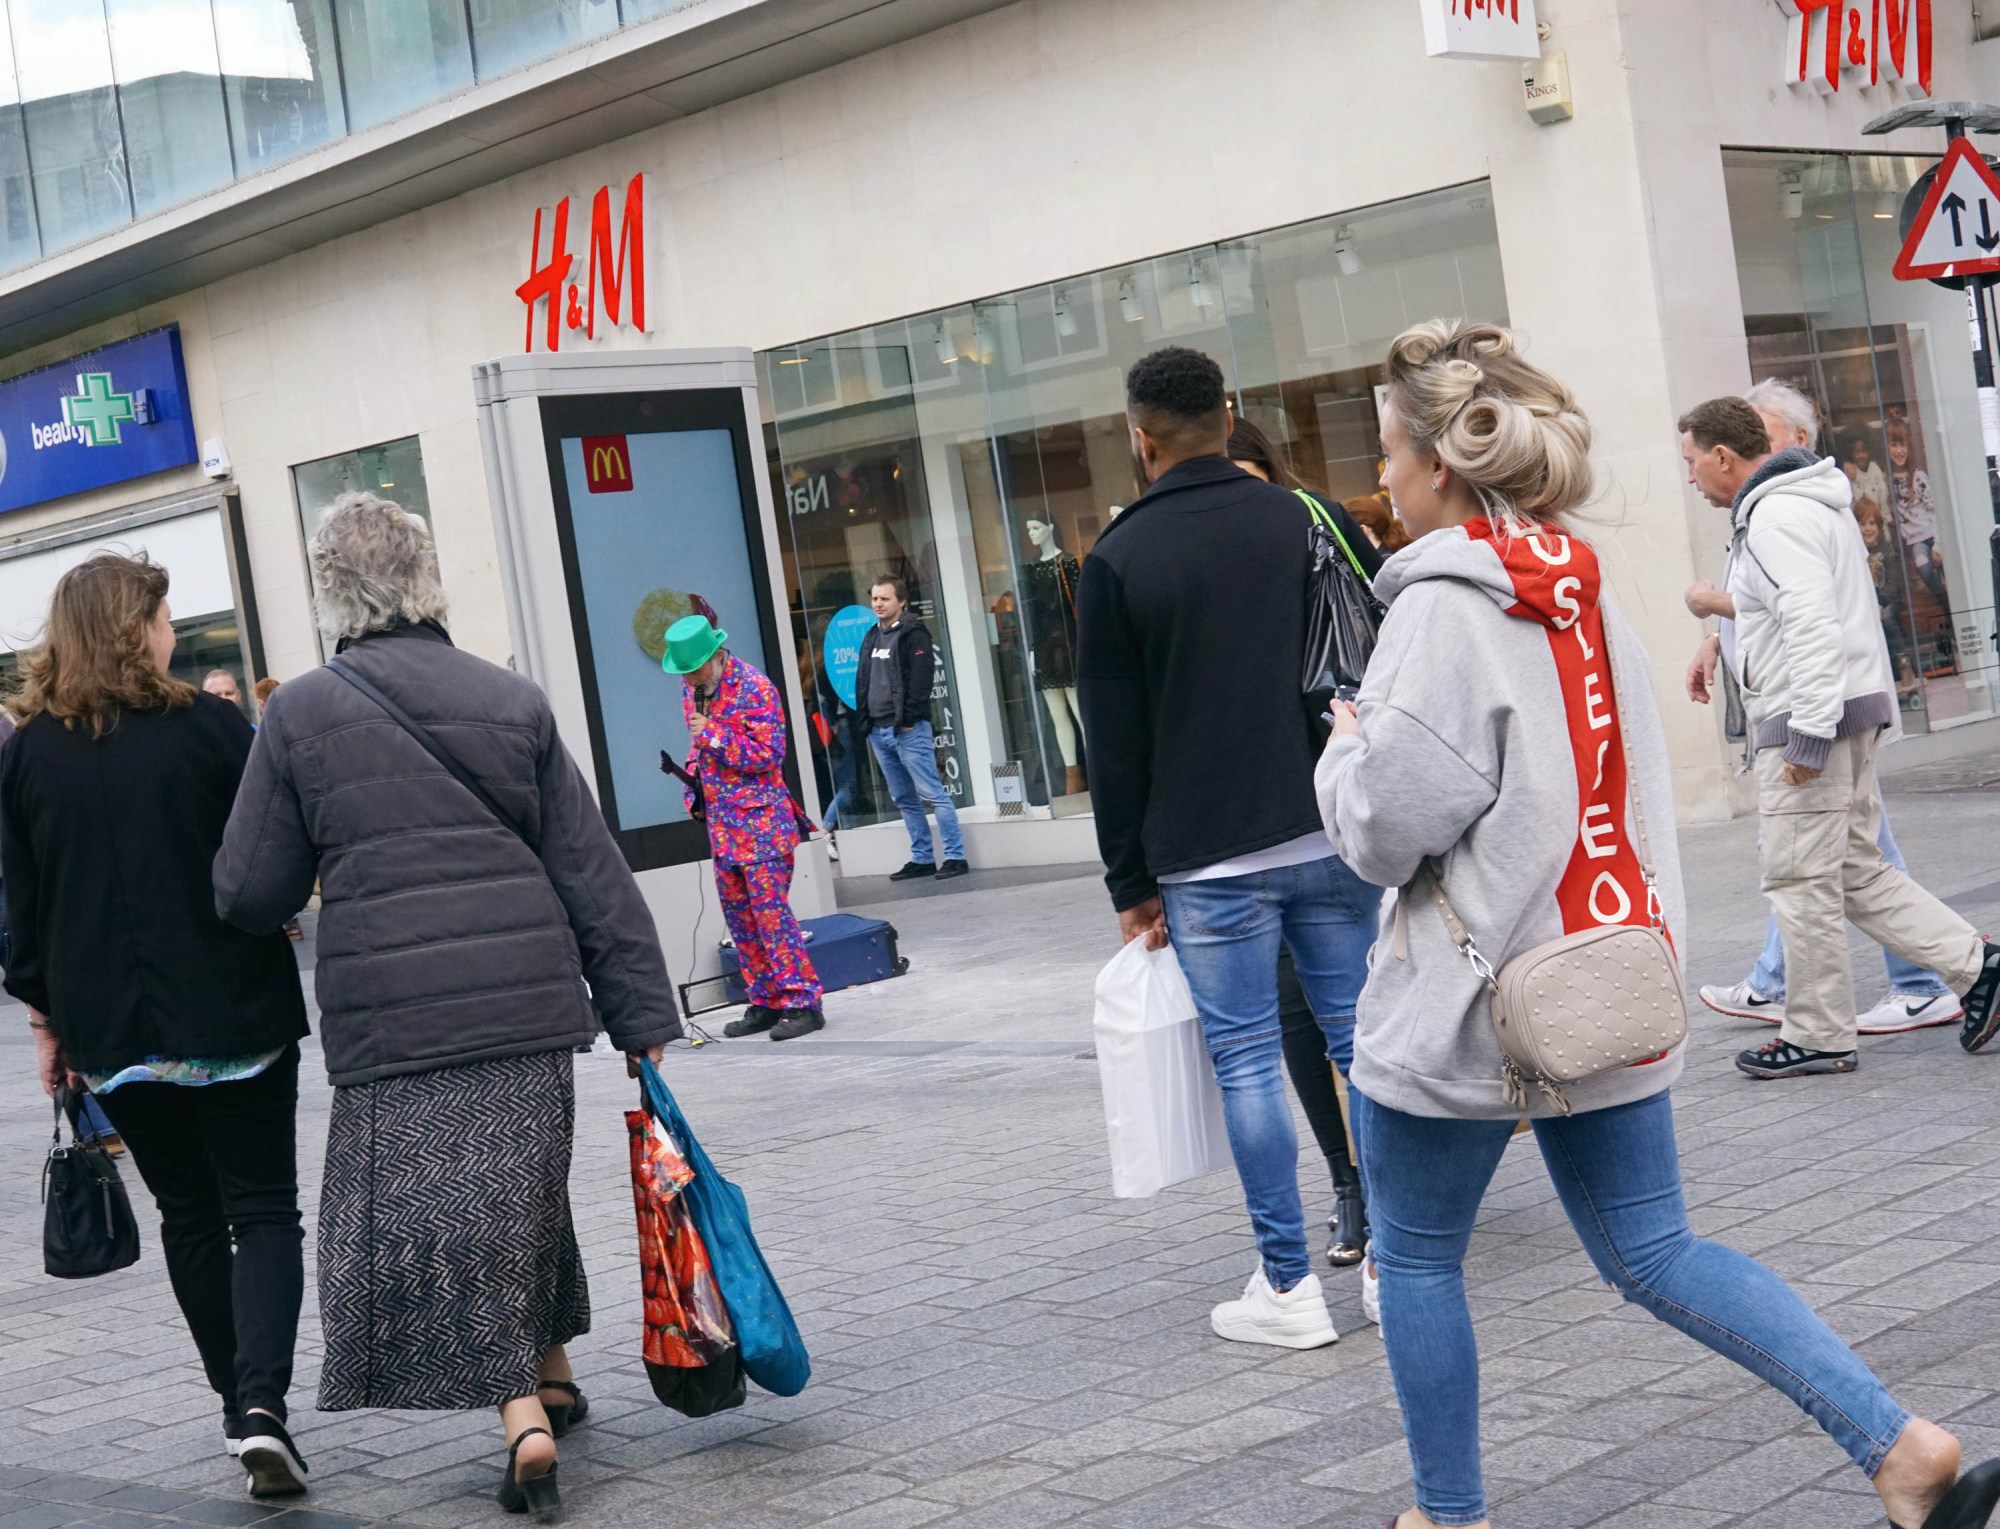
[(448, 1263)]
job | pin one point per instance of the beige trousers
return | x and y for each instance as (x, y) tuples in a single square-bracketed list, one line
[(1821, 870)]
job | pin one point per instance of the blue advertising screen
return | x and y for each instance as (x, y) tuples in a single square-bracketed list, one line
[(103, 417), (658, 530)]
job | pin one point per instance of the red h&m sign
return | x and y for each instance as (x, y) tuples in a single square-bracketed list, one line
[(1488, 29), (607, 464), (1876, 41), (616, 269)]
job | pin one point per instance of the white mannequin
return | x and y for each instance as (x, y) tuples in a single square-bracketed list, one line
[(1065, 711)]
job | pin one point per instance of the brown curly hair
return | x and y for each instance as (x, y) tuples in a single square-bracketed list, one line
[(95, 662)]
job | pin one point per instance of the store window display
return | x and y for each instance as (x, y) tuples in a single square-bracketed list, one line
[(1048, 588)]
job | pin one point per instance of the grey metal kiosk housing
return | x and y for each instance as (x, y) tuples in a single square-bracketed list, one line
[(628, 490)]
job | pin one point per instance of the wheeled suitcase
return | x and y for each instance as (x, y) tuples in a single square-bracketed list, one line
[(845, 948)]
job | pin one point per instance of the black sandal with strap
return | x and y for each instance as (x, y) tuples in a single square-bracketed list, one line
[(538, 1494), (563, 1416)]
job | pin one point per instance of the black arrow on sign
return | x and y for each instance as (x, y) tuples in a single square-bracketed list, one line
[(1953, 205), (1987, 240)]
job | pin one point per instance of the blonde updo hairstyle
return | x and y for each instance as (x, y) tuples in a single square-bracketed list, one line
[(1509, 430)]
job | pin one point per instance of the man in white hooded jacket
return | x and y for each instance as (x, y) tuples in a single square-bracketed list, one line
[(1807, 651)]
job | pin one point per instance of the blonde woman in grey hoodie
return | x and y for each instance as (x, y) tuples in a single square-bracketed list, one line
[(1506, 709)]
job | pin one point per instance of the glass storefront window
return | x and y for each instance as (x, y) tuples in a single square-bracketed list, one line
[(509, 33), (169, 100), (394, 469), (281, 75), (1890, 366), (19, 241), (69, 106), (398, 54), (983, 449)]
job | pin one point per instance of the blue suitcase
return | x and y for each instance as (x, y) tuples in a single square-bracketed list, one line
[(845, 948)]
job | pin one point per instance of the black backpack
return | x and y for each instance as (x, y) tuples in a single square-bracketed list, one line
[(87, 1222)]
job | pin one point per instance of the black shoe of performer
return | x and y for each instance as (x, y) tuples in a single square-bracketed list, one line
[(755, 1021)]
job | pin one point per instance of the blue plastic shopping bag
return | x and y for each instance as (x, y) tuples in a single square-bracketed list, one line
[(774, 1355)]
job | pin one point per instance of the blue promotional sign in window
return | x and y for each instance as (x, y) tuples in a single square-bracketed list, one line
[(102, 417)]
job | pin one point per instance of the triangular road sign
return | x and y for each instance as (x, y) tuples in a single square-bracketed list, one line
[(1957, 230)]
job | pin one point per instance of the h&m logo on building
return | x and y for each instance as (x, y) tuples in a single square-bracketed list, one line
[(95, 415), (616, 269), (1877, 42)]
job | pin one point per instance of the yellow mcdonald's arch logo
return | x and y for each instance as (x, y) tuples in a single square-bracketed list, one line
[(607, 462)]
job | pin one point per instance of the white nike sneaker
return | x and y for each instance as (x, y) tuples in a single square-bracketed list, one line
[(1910, 1011), (1371, 1290), (1743, 1001), (1296, 1319)]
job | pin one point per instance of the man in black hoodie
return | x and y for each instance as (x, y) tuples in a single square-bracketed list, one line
[(1192, 624), (892, 691)]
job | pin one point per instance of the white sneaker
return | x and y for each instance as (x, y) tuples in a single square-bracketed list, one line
[(1744, 1002), (833, 849), (1371, 1290), (1296, 1319), (1910, 1011)]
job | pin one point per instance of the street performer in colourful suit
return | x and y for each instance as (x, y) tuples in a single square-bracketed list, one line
[(736, 727)]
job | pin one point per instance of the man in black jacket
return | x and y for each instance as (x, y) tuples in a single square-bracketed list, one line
[(892, 692), (1192, 618)]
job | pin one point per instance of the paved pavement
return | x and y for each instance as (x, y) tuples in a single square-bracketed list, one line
[(999, 1342)]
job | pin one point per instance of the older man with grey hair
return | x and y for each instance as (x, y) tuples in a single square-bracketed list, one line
[(1917, 998), (478, 922)]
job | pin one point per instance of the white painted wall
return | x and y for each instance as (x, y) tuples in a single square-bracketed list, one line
[(1046, 139)]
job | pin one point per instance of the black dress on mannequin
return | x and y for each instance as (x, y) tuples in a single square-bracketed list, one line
[(1048, 590)]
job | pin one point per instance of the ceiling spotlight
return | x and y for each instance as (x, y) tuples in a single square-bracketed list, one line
[(1128, 301), (982, 338), (1065, 319), (1792, 195), (1344, 252), (1198, 288), (947, 353)]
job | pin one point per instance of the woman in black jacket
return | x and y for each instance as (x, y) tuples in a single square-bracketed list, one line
[(462, 915), (113, 797)]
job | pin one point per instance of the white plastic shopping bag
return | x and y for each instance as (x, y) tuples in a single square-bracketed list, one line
[(1162, 1106)]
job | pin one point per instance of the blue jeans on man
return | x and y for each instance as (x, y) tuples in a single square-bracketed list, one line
[(1226, 932), (1906, 978), (909, 764)]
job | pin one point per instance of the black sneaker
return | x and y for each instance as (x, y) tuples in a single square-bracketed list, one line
[(914, 871), (1982, 1003), (798, 1022), (234, 1432), (1781, 1059), (755, 1021), (952, 868), (272, 1459)]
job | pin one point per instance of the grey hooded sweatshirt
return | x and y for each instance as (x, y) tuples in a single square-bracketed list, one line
[(1491, 744)]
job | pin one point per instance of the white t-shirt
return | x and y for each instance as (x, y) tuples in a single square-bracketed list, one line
[(1300, 851)]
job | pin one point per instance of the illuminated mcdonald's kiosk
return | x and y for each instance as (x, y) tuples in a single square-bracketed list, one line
[(628, 492)]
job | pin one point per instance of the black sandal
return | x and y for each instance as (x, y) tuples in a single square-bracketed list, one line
[(563, 1416), (1969, 1504), (538, 1494)]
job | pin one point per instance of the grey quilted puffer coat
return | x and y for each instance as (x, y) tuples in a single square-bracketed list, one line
[(443, 938)]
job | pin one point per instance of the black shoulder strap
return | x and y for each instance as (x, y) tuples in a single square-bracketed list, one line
[(432, 747)]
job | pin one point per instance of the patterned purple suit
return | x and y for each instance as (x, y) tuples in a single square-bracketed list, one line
[(738, 755)]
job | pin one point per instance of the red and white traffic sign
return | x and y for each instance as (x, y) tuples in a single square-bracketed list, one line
[(1957, 230)]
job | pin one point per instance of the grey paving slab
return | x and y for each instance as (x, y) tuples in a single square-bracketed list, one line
[(999, 1342)]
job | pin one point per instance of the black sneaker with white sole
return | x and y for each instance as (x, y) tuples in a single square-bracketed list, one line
[(1982, 1002), (272, 1459), (234, 1431), (1781, 1059)]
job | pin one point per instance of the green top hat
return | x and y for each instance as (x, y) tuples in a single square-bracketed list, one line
[(691, 642)]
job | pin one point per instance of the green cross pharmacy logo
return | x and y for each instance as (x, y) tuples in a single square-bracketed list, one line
[(96, 413)]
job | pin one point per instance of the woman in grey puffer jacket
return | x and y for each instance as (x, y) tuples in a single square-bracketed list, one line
[(1506, 707), (455, 943)]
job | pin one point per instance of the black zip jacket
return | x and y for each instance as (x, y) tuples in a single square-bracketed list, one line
[(909, 674), (1191, 621), (107, 845)]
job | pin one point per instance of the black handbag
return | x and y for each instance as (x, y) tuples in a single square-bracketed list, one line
[(87, 1222), (1343, 618)]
